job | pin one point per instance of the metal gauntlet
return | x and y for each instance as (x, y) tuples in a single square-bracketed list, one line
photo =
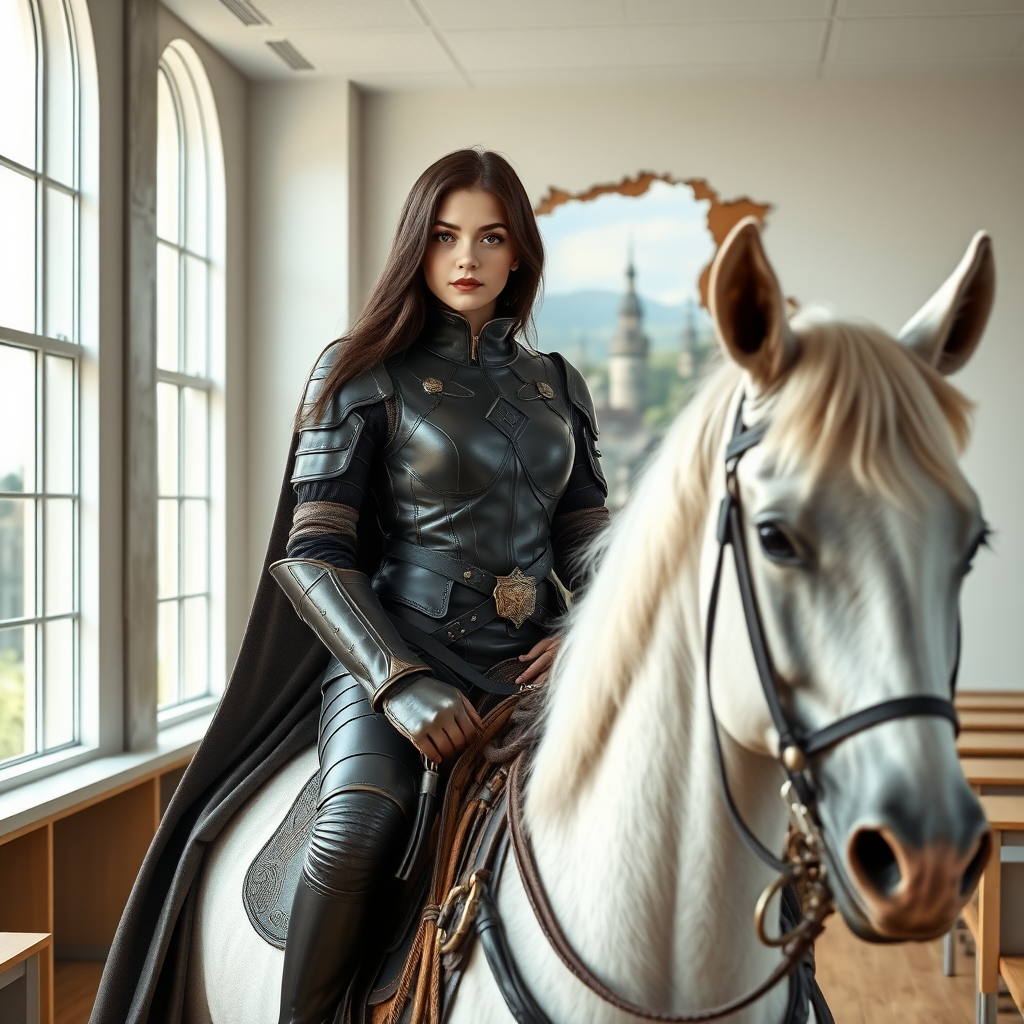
[(341, 608)]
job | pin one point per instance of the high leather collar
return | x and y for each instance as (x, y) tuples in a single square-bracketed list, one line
[(448, 334)]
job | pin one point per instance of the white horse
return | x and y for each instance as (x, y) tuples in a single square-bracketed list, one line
[(859, 527)]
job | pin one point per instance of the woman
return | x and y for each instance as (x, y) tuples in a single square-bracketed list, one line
[(460, 468)]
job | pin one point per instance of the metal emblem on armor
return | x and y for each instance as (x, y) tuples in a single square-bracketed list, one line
[(515, 596), (433, 386), (545, 389)]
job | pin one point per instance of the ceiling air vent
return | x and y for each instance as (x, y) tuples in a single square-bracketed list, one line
[(245, 12), (287, 52)]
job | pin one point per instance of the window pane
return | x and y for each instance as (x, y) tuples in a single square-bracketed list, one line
[(17, 250), (196, 553), (17, 691), (195, 163), (167, 439), (60, 265), (60, 94), (59, 685), (167, 653), (196, 315), (59, 592), (17, 84), (167, 155), (60, 425), (17, 418), (196, 414), (167, 547), (17, 558), (196, 674), (166, 307)]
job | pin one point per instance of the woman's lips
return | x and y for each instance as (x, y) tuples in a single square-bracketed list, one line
[(466, 284)]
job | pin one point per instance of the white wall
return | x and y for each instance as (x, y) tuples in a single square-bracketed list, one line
[(877, 187), (300, 182)]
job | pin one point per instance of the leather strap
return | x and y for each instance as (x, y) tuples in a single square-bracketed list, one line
[(792, 953), (466, 573), (461, 668)]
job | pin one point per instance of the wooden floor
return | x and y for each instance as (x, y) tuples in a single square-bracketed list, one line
[(863, 983), (75, 983), (866, 983)]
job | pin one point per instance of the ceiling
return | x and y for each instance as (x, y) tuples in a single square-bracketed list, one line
[(415, 44)]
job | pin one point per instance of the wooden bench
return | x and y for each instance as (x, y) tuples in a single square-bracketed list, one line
[(19, 975), (972, 743), (1000, 936), (991, 720), (990, 700), (993, 775)]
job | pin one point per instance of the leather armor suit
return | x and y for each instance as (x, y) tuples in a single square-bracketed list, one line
[(464, 463)]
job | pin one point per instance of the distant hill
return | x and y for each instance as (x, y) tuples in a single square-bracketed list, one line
[(581, 324)]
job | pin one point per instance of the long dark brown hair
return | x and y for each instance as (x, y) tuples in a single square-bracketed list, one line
[(397, 307)]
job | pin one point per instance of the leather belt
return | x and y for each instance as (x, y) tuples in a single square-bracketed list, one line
[(520, 582)]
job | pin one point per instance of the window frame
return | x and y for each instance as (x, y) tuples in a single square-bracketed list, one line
[(44, 345)]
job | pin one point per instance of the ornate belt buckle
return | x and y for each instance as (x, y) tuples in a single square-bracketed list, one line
[(515, 596)]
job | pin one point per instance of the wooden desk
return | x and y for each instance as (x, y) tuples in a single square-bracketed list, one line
[(19, 975), (990, 744), (990, 700), (1005, 814), (991, 721)]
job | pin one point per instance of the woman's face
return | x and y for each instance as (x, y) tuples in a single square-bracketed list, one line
[(470, 254)]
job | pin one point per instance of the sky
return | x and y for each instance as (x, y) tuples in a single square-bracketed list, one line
[(587, 243)]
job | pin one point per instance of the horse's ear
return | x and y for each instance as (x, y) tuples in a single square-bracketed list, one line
[(747, 305), (946, 330)]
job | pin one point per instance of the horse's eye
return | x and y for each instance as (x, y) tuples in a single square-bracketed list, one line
[(775, 544)]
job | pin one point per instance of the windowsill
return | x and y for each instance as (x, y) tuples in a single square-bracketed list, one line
[(172, 716), (36, 801)]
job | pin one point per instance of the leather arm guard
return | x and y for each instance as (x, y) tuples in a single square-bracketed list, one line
[(341, 608)]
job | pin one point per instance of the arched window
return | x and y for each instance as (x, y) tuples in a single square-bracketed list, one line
[(40, 359), (190, 216)]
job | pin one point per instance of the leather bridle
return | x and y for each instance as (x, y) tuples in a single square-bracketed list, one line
[(805, 844)]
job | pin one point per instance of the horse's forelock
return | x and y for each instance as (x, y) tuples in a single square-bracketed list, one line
[(856, 397)]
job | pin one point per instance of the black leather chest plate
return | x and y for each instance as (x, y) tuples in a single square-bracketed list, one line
[(463, 427)]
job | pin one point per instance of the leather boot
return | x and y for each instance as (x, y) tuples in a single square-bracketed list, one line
[(321, 955)]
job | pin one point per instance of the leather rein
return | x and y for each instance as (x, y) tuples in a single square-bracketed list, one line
[(805, 844)]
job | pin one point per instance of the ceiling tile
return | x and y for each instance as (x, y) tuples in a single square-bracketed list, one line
[(723, 10), (887, 8), (946, 38), (734, 42), (510, 49), (469, 14), (350, 53), (299, 14)]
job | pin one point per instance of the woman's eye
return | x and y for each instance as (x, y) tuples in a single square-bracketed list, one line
[(444, 236), (775, 544), (493, 239)]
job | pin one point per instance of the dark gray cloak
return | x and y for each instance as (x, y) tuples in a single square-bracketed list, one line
[(268, 713)]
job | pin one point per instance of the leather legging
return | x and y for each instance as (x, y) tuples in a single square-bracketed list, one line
[(369, 778)]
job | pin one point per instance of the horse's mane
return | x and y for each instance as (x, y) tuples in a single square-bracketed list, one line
[(852, 393)]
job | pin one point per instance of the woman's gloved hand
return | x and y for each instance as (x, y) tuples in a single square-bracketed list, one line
[(435, 716)]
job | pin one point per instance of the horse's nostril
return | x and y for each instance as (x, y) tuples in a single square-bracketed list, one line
[(977, 865), (877, 861)]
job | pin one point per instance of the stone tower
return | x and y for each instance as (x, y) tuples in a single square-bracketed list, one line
[(627, 356)]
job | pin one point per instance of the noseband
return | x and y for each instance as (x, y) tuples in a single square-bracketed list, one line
[(795, 745)]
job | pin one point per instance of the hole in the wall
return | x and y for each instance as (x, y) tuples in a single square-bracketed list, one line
[(625, 300), (722, 214)]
